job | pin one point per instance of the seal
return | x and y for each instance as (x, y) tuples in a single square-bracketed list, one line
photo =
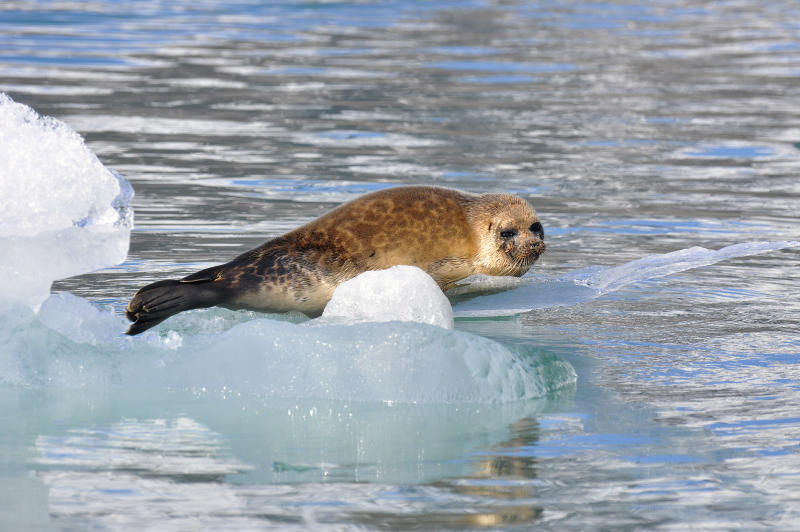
[(447, 233)]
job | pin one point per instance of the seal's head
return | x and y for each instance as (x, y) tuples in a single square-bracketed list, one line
[(509, 234)]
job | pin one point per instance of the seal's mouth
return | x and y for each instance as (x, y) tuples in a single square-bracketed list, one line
[(524, 256), (533, 250)]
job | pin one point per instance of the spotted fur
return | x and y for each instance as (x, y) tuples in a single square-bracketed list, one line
[(449, 234)]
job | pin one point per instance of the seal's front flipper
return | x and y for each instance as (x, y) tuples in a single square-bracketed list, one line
[(158, 301)]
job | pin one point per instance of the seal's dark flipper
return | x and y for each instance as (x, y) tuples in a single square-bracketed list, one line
[(158, 301)]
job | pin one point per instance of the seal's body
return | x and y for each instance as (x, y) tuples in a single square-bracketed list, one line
[(449, 234)]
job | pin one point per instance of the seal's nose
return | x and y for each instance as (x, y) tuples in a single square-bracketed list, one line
[(533, 247)]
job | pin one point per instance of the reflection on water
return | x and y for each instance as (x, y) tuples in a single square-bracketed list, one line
[(634, 129), (501, 490), (178, 466)]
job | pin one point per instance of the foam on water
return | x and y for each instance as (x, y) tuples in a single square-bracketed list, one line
[(63, 214), (518, 295)]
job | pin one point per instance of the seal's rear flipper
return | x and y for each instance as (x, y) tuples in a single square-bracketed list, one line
[(158, 301)]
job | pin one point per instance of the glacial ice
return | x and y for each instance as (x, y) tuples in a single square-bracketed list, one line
[(71, 344), (63, 213)]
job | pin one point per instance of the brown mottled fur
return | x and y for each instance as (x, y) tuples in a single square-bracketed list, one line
[(449, 234)]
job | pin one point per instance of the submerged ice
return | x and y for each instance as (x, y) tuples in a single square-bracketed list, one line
[(64, 213)]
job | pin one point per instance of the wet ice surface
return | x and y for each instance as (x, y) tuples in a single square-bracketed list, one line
[(520, 295), (261, 358), (659, 145)]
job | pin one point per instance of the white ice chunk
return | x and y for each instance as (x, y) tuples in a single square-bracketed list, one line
[(63, 212), (400, 293)]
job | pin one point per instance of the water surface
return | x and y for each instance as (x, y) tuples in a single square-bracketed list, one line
[(635, 129)]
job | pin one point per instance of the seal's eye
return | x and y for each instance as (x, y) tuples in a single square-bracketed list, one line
[(508, 233), (537, 229)]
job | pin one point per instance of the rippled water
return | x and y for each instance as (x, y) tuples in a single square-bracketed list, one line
[(635, 129)]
